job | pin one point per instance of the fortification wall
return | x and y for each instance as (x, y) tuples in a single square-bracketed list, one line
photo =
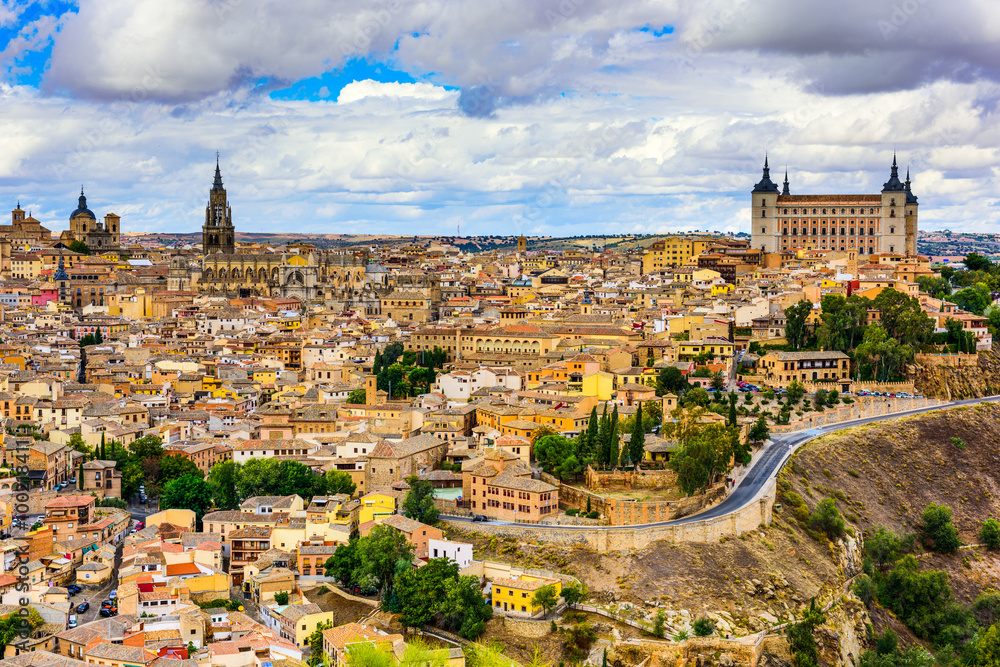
[(624, 538)]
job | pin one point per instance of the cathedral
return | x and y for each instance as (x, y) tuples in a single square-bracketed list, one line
[(84, 226), (300, 271), (865, 224)]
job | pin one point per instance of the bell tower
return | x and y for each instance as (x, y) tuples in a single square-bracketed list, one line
[(218, 233)]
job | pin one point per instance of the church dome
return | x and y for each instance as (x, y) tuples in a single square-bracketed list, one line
[(82, 209)]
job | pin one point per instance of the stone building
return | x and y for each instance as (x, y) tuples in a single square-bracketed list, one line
[(302, 271), (84, 226), (395, 461), (866, 224)]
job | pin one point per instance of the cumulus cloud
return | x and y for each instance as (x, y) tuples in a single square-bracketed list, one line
[(554, 116)]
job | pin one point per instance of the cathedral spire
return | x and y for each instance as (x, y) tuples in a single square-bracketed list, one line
[(217, 184), (784, 189)]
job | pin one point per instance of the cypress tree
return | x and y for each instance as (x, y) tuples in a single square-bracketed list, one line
[(637, 444), (613, 438), (602, 437)]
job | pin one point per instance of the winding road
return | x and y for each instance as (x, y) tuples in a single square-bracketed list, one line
[(763, 471)]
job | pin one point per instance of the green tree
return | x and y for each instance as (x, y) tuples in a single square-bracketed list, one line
[(937, 530), (365, 654), (76, 443), (976, 262), (934, 286), (189, 492), (574, 592), (986, 652), (315, 643), (718, 382), (670, 380), (257, 477), (78, 247), (880, 355), (379, 553), (281, 597), (147, 447), (884, 547), (795, 391), (696, 397), (465, 609), (176, 466), (420, 591), (419, 501), (546, 597), (637, 441), (357, 396), (701, 458), (801, 642), (827, 519), (295, 477), (338, 481), (222, 479), (11, 626), (344, 562), (551, 451), (795, 323), (989, 534), (759, 432), (132, 477)]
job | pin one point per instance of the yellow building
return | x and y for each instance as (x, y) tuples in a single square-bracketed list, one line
[(515, 596), (600, 384), (718, 347), (300, 620), (375, 505)]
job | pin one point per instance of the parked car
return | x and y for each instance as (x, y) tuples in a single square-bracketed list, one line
[(479, 517), (107, 603), (82, 607), (72, 621), (22, 516), (139, 525), (72, 480), (105, 613), (113, 595)]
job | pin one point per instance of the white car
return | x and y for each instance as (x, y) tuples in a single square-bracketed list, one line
[(72, 622), (113, 594)]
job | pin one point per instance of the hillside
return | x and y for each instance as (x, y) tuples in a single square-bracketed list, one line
[(881, 474)]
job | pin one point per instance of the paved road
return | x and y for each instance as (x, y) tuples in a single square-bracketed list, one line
[(765, 469)]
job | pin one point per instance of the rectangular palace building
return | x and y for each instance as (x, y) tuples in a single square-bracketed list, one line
[(868, 224)]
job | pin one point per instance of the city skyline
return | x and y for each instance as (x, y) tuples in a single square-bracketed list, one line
[(542, 119)]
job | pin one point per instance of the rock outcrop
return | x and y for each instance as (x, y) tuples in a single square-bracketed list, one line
[(954, 377)]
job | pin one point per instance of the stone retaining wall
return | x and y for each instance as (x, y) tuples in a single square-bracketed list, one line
[(613, 539), (623, 512), (525, 628), (624, 480)]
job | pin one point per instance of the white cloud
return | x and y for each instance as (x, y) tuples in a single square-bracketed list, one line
[(568, 119)]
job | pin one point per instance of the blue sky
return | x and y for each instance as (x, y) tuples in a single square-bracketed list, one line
[(530, 116)]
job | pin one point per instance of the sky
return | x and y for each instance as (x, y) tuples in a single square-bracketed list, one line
[(536, 117)]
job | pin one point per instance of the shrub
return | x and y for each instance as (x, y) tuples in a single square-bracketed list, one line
[(660, 624), (853, 473), (989, 534), (864, 588), (887, 643), (703, 627), (958, 442), (572, 512), (827, 519), (594, 515), (885, 547), (938, 531)]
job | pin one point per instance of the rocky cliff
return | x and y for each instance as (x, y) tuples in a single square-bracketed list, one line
[(955, 377)]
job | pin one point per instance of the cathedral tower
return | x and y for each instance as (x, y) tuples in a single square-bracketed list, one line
[(218, 234)]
